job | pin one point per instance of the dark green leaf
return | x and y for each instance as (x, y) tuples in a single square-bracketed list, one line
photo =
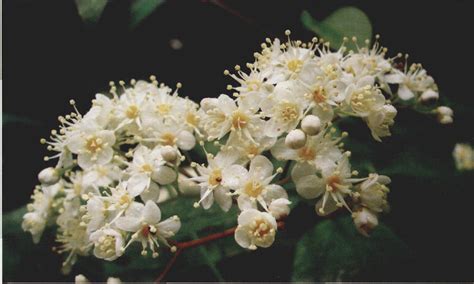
[(141, 9), (344, 22), (90, 10), (334, 251)]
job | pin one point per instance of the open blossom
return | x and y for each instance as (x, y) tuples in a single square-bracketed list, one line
[(363, 97), (213, 179), (413, 82), (255, 229), (148, 166), (108, 243), (254, 186), (373, 192), (92, 145), (145, 222), (40, 210), (334, 184), (380, 121)]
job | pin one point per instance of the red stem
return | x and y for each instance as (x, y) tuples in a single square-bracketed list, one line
[(202, 241)]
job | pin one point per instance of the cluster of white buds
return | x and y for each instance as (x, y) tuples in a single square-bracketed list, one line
[(116, 162)]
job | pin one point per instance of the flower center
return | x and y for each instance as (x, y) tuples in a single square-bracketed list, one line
[(260, 229), (106, 246), (239, 120), (306, 153), (253, 189), (147, 168), (363, 99), (192, 119), (319, 95), (334, 181), (168, 139), (94, 144), (163, 108), (253, 85), (125, 199), (294, 65), (215, 177), (288, 112), (132, 111)]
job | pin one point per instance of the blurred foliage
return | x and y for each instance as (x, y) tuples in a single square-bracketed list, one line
[(334, 251), (344, 22), (11, 118), (91, 10), (140, 9)]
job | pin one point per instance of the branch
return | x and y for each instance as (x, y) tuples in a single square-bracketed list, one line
[(202, 241)]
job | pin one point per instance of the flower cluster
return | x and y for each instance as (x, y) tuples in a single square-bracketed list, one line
[(277, 128), (114, 164)]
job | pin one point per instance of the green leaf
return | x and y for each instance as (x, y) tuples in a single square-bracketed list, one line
[(344, 22), (11, 118), (141, 9), (90, 10), (334, 251)]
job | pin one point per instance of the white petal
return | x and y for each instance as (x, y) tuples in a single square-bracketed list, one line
[(223, 198), (151, 193), (234, 176), (405, 93), (129, 224), (151, 213), (244, 203), (169, 227), (138, 183), (260, 168), (186, 140), (282, 152), (247, 216), (310, 187), (164, 175), (241, 237), (300, 170)]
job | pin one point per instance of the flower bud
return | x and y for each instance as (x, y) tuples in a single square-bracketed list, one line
[(81, 279), (445, 111), (169, 153), (295, 139), (365, 220), (311, 125), (48, 176), (445, 114), (429, 96), (279, 208)]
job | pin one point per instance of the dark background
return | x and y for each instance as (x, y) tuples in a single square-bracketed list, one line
[(50, 56)]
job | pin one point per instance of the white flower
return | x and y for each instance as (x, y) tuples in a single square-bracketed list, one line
[(223, 115), (334, 183), (102, 175), (373, 193), (213, 179), (144, 222), (92, 145), (148, 165), (40, 210), (255, 229), (365, 220), (171, 133), (319, 150), (380, 121), (129, 109), (254, 186), (363, 97), (108, 243), (412, 82), (463, 157), (284, 108)]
